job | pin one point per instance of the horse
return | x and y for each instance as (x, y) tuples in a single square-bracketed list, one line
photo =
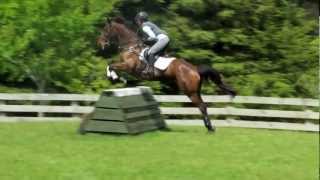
[(187, 77)]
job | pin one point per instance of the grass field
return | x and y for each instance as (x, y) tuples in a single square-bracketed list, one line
[(54, 151)]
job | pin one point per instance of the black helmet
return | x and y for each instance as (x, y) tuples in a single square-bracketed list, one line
[(141, 16)]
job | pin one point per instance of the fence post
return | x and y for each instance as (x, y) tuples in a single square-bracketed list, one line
[(308, 112), (75, 104), (229, 116), (2, 114), (41, 114)]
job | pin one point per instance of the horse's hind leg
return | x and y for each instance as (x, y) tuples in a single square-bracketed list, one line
[(189, 81), (197, 100)]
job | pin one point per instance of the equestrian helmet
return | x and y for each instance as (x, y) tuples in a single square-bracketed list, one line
[(142, 16)]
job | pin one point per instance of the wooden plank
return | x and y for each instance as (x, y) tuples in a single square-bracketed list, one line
[(46, 109), (75, 104), (108, 102), (108, 114), (10, 119), (120, 115), (137, 101), (218, 123), (175, 111), (243, 100), (124, 102), (249, 124), (143, 126), (106, 126), (275, 101), (166, 98), (48, 97), (122, 92), (153, 117), (142, 108), (243, 112), (140, 114)]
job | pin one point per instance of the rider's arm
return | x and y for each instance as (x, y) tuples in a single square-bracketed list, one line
[(149, 32)]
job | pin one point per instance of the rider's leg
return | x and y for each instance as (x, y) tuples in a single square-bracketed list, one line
[(156, 48), (151, 58), (164, 52)]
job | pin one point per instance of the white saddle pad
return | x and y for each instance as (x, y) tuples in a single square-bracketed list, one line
[(161, 63)]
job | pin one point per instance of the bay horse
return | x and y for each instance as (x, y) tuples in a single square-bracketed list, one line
[(187, 77)]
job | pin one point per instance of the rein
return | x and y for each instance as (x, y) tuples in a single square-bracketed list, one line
[(131, 49)]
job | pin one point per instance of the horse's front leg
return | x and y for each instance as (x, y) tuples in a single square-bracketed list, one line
[(111, 71), (121, 66)]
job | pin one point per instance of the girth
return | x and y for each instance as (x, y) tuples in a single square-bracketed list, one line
[(147, 71)]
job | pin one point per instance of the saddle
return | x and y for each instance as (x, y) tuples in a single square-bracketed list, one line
[(161, 62)]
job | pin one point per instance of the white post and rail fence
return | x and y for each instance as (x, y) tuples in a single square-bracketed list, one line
[(267, 112)]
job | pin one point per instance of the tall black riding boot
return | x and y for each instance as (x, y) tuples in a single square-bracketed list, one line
[(151, 59)]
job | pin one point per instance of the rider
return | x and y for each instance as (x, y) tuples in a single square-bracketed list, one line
[(155, 34)]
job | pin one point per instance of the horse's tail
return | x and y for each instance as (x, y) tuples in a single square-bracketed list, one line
[(209, 73)]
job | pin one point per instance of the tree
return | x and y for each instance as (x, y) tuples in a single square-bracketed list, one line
[(263, 48), (51, 43)]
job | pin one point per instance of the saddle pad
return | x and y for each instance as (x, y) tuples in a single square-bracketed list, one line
[(161, 63)]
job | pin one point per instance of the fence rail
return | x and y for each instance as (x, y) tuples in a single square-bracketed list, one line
[(165, 98), (10, 104), (243, 100)]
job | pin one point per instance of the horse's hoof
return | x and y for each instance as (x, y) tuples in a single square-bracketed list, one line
[(82, 131), (165, 129), (113, 81), (211, 130), (123, 80), (232, 93)]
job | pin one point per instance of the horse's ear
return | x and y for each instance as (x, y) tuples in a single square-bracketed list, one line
[(119, 19), (108, 20)]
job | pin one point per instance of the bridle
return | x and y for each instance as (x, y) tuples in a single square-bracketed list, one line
[(106, 36)]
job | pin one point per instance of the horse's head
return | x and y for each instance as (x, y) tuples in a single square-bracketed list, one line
[(116, 31), (107, 34)]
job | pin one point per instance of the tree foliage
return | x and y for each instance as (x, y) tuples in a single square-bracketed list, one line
[(265, 48), (51, 44)]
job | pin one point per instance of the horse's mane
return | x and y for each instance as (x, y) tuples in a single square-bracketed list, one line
[(121, 22)]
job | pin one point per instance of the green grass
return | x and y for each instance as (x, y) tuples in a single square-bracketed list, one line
[(54, 151)]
